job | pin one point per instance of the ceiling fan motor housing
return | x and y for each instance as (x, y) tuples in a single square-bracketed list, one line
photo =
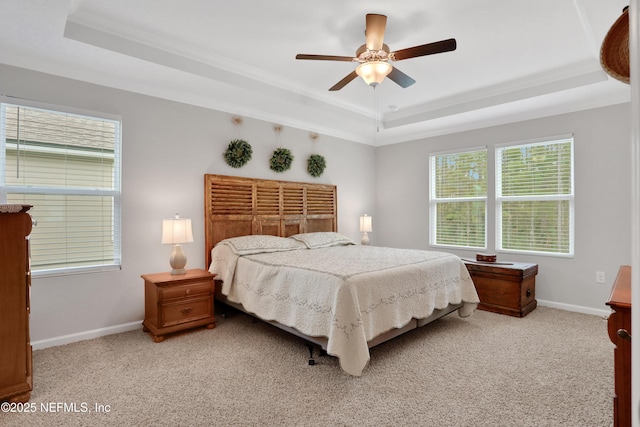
[(365, 55)]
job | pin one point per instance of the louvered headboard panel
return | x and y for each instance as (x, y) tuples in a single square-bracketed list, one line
[(236, 206)]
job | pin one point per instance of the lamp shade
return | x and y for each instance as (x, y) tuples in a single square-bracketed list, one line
[(374, 72), (365, 223), (176, 230)]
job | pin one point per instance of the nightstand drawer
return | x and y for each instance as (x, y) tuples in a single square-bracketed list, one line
[(188, 290), (185, 311)]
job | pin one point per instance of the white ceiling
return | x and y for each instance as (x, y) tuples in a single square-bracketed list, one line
[(515, 59)]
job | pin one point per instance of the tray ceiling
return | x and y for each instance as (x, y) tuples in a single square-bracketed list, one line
[(514, 61)]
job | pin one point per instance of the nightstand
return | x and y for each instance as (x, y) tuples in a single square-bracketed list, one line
[(506, 288), (174, 303)]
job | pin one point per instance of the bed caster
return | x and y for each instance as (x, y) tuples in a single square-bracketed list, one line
[(312, 361)]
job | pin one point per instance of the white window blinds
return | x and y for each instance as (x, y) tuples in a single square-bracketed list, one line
[(68, 167), (535, 197), (458, 199)]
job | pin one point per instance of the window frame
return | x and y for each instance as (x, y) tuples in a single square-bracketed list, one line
[(499, 198), (115, 192), (434, 201)]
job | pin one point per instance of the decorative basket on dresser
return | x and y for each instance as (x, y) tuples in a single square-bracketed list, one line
[(16, 379)]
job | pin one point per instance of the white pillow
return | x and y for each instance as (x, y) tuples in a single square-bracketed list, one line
[(255, 244), (322, 239)]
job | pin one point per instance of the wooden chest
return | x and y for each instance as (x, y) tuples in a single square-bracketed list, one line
[(506, 288)]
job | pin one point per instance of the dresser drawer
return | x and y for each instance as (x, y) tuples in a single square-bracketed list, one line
[(185, 290), (186, 310)]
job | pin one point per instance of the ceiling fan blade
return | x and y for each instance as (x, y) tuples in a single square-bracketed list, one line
[(425, 49), (401, 78), (375, 31), (342, 83), (325, 57)]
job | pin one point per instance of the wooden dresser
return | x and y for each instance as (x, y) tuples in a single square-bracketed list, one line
[(619, 327), (16, 380), (506, 288), (177, 302)]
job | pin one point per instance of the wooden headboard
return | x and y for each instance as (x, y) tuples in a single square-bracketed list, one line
[(236, 206)]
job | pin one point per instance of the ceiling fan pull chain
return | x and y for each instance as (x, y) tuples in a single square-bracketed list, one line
[(375, 110), (375, 117)]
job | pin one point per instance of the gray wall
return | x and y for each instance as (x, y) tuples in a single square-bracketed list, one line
[(602, 206), (167, 148)]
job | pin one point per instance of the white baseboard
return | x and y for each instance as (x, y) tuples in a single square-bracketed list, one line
[(575, 308), (85, 335)]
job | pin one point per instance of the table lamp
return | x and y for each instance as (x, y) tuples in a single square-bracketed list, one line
[(365, 227), (176, 231)]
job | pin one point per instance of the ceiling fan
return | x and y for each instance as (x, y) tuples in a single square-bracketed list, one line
[(374, 56)]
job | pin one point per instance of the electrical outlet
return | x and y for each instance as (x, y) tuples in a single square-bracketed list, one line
[(600, 277)]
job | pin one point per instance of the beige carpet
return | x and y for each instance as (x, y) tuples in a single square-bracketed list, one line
[(551, 368)]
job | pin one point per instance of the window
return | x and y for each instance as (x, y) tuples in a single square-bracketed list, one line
[(66, 165), (458, 198), (535, 197)]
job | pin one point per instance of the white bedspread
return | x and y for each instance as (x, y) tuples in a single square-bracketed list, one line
[(349, 294)]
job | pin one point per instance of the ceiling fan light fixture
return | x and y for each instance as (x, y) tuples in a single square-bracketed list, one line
[(374, 56), (374, 72)]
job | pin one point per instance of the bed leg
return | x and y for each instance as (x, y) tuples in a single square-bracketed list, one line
[(312, 361)]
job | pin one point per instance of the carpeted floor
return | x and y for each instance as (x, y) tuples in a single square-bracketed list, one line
[(551, 368)]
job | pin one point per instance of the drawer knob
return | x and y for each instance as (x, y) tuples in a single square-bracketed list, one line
[(528, 292), (187, 310), (188, 291), (624, 334)]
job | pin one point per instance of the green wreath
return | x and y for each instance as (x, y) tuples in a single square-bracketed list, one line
[(238, 153), (281, 160), (316, 165)]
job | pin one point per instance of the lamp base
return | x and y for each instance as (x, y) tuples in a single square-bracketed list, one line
[(365, 238), (178, 260)]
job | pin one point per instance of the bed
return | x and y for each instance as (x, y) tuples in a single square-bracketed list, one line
[(276, 254)]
